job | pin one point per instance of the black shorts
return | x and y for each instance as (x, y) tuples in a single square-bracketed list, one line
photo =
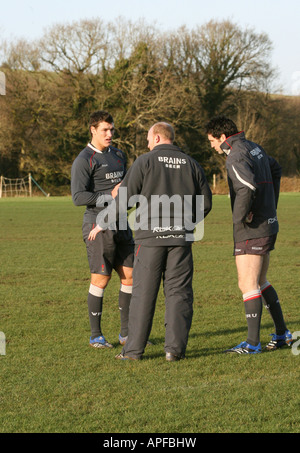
[(109, 249), (257, 246)]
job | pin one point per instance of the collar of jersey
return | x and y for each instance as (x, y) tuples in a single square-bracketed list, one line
[(97, 150), (226, 146)]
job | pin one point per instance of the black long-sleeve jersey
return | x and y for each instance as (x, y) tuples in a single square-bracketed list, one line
[(254, 184), (94, 174), (165, 183)]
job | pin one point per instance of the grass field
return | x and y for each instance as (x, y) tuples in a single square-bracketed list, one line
[(51, 381)]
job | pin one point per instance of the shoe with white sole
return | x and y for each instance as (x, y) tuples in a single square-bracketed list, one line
[(245, 348), (278, 341), (100, 343)]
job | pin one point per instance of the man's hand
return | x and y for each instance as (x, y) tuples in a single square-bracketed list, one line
[(94, 232), (114, 192), (249, 217)]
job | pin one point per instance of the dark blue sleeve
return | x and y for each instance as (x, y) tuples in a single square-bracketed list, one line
[(80, 183)]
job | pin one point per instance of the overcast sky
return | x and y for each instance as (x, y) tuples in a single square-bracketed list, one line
[(280, 19)]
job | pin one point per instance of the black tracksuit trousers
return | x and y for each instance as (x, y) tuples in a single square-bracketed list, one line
[(175, 266)]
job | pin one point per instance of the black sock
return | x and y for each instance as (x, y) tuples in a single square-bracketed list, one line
[(95, 299), (124, 302), (253, 310), (272, 304)]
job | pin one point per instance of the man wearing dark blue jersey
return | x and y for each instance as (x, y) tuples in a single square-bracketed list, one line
[(96, 174), (254, 184)]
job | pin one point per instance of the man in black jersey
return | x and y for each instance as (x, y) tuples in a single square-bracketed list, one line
[(95, 177), (163, 240), (254, 183)]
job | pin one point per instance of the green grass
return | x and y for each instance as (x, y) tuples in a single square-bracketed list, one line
[(51, 381)]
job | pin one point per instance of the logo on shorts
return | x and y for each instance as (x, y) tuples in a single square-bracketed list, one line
[(272, 220), (256, 248)]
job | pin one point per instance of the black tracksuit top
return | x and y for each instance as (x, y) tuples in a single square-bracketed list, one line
[(254, 184), (165, 170), (95, 174)]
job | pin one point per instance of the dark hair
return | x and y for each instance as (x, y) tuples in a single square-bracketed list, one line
[(98, 117), (221, 125)]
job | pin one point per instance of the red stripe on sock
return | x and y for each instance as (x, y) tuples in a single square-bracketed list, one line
[(266, 288), (252, 297)]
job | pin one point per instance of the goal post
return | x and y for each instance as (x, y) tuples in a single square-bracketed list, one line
[(18, 187)]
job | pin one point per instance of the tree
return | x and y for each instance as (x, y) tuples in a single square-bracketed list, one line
[(228, 58), (141, 75)]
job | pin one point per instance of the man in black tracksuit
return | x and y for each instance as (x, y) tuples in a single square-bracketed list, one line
[(169, 187), (96, 173), (254, 184)]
